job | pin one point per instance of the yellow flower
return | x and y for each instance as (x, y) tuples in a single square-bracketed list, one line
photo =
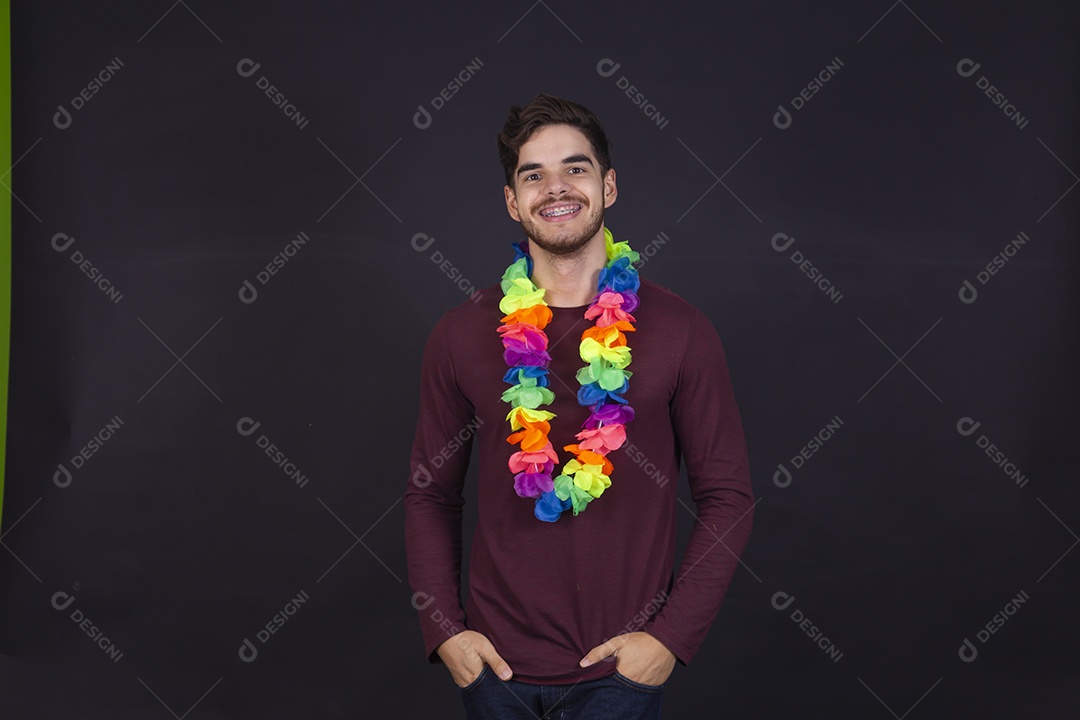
[(520, 417), (521, 294), (619, 357), (589, 478)]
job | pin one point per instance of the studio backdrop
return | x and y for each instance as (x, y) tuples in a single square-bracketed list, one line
[(234, 224)]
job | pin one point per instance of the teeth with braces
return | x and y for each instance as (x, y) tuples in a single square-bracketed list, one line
[(561, 211)]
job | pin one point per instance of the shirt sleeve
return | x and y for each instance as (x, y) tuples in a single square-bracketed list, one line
[(710, 434), (433, 495)]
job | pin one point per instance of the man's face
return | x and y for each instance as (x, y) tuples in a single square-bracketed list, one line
[(558, 194)]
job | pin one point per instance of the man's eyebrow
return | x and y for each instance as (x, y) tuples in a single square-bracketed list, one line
[(577, 159), (566, 161)]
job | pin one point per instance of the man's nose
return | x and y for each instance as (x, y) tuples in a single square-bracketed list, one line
[(556, 185)]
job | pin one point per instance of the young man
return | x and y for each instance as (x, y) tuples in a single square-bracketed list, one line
[(574, 604)]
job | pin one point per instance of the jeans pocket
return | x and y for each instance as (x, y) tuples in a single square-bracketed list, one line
[(476, 683), (636, 685)]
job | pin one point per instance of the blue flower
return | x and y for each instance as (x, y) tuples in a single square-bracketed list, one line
[(593, 395), (619, 276), (521, 250), (549, 507), (531, 371)]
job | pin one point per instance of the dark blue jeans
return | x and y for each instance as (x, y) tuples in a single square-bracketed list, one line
[(610, 698)]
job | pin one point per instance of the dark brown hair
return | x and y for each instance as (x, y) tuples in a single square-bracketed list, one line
[(546, 110)]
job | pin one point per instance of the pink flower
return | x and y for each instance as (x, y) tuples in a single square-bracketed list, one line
[(609, 309), (531, 461), (529, 337), (604, 439)]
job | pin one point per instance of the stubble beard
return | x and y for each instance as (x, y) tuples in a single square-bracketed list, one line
[(560, 242)]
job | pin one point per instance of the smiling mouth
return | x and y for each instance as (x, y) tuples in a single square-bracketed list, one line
[(561, 210)]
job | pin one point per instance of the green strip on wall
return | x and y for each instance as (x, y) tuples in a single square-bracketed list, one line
[(5, 232)]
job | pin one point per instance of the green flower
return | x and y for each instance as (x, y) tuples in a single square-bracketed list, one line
[(602, 373), (517, 270), (527, 393)]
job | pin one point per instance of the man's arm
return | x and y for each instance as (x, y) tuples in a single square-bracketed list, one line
[(433, 503), (433, 499)]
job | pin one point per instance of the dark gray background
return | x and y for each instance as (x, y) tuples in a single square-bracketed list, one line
[(179, 180)]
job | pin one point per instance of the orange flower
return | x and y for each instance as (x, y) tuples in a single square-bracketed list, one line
[(532, 438), (588, 457), (609, 336), (536, 315)]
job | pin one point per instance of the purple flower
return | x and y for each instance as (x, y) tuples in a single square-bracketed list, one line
[(609, 415), (630, 301), (523, 356), (532, 484)]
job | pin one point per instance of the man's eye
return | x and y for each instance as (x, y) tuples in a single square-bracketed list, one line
[(577, 170), (534, 176)]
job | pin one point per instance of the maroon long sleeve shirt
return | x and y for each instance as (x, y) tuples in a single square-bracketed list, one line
[(547, 593)]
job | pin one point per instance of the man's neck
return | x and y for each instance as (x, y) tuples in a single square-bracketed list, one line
[(569, 281)]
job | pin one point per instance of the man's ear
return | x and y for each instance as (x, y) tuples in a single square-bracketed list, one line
[(611, 190), (511, 203)]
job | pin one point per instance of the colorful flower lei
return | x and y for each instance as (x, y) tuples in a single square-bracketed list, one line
[(604, 380)]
